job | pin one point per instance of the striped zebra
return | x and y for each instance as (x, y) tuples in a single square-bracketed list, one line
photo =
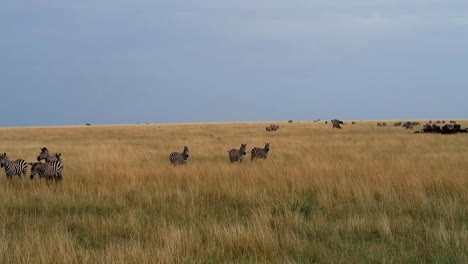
[(49, 170), (18, 167), (236, 155), (44, 155), (179, 158), (260, 152)]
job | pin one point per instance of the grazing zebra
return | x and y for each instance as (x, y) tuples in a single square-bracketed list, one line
[(260, 152), (237, 154), (50, 170), (18, 167), (44, 155), (179, 158)]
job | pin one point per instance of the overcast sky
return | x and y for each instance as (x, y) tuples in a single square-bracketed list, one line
[(68, 62)]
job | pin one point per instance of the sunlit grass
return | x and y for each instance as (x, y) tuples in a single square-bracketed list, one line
[(360, 194)]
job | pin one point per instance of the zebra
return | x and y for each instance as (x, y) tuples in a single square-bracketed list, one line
[(44, 155), (18, 167), (237, 154), (50, 170), (260, 152), (179, 158)]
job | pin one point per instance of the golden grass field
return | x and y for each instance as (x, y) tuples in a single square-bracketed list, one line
[(363, 194)]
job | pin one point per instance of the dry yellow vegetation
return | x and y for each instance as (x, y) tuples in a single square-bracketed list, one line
[(356, 195)]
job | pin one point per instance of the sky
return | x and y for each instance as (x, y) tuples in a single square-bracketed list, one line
[(67, 62)]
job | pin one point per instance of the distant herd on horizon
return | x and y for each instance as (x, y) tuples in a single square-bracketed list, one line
[(52, 167), (429, 127)]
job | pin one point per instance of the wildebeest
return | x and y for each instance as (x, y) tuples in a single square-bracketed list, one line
[(272, 127), (336, 123)]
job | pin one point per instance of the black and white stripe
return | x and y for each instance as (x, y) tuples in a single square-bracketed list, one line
[(260, 152), (179, 158), (236, 155), (18, 167), (50, 170), (44, 155)]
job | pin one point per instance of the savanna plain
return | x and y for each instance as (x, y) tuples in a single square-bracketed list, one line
[(362, 194)]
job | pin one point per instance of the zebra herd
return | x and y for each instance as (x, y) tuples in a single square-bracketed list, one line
[(235, 155), (51, 169)]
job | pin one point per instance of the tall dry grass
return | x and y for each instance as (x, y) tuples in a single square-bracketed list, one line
[(356, 195)]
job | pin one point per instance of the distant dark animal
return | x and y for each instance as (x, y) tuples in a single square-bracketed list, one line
[(379, 124), (88, 124), (272, 127), (336, 123), (17, 167), (237, 155), (452, 122), (177, 158), (443, 121), (290, 121), (438, 122), (384, 124), (353, 123), (260, 152), (326, 122), (397, 123)]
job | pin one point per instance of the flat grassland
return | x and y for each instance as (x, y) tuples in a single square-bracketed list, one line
[(362, 194)]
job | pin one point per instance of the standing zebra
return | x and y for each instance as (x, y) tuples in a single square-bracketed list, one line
[(179, 158), (18, 167), (50, 170), (44, 155), (260, 152), (237, 154)]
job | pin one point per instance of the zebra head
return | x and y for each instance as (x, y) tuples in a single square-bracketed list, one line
[(186, 153), (267, 147), (242, 149), (3, 160), (34, 169), (44, 154)]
